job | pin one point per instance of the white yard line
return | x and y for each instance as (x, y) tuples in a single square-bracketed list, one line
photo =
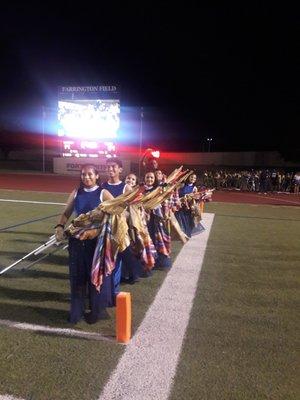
[(55, 331), (33, 202), (33, 191), (148, 366)]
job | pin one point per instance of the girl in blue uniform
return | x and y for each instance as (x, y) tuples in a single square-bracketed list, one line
[(156, 228), (127, 265), (83, 199), (184, 215), (150, 185)]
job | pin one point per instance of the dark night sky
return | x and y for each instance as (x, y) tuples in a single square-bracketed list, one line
[(229, 73)]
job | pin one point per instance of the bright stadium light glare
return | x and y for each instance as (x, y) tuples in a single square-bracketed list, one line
[(89, 119), (110, 146), (88, 145)]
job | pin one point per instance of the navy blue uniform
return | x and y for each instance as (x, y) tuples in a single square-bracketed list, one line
[(184, 217), (81, 254), (126, 262), (161, 261), (114, 190)]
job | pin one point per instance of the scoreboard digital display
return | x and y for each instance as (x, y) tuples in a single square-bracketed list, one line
[(89, 119), (88, 113)]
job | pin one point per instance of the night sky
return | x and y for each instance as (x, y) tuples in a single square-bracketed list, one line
[(199, 72)]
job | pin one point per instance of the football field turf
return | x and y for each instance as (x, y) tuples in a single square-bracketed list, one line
[(241, 341)]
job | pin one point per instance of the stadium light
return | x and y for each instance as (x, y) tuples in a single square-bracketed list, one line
[(209, 143)]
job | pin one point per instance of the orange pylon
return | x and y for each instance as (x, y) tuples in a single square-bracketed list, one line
[(123, 317)]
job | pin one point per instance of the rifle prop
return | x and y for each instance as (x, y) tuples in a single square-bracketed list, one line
[(52, 241)]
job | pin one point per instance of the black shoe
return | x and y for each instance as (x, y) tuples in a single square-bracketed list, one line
[(74, 321), (133, 280), (91, 318), (146, 274)]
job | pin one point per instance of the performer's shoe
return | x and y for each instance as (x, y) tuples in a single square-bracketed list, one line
[(146, 274), (132, 280), (73, 320), (91, 318)]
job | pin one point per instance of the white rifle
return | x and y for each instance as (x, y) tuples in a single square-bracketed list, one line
[(51, 242)]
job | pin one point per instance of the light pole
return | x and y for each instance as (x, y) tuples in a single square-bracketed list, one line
[(209, 140)]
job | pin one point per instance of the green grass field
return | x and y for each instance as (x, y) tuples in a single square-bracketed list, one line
[(243, 335), (241, 342)]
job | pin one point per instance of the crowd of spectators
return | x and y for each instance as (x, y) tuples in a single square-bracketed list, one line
[(263, 180)]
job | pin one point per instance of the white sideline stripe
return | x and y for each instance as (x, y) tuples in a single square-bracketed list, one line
[(7, 397), (275, 198), (60, 331), (33, 202), (262, 196), (147, 368)]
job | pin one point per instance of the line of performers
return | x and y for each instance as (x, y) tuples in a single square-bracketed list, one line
[(122, 231)]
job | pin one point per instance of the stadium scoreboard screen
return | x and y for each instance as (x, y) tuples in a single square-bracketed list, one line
[(88, 119)]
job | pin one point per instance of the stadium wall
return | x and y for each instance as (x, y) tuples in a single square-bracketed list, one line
[(31, 159), (169, 161)]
